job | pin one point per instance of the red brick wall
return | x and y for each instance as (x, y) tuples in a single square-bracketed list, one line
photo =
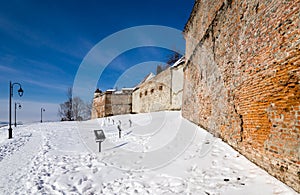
[(242, 79), (98, 109)]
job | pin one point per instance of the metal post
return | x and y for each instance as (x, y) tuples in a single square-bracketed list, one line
[(15, 114), (20, 91), (42, 110), (10, 94), (99, 146)]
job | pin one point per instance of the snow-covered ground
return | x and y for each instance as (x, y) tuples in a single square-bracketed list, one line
[(158, 153)]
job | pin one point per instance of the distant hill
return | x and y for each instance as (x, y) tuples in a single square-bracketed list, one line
[(2, 124)]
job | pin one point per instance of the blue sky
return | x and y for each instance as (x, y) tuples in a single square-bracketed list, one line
[(44, 42)]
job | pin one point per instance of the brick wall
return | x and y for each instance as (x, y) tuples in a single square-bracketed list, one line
[(111, 103), (117, 104), (98, 108), (242, 79)]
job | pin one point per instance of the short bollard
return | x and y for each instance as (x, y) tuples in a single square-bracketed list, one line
[(130, 123), (120, 130), (99, 145), (100, 137)]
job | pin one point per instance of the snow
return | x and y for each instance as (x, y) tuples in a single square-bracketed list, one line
[(158, 153), (178, 62), (111, 90), (128, 88)]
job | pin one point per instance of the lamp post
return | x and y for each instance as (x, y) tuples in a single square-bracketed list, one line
[(16, 111), (42, 110), (20, 92)]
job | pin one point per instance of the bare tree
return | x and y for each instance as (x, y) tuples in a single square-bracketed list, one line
[(88, 110), (172, 58), (159, 69), (78, 109), (65, 109), (74, 108)]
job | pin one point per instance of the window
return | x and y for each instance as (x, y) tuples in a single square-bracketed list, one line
[(152, 90), (160, 87), (146, 93), (141, 94)]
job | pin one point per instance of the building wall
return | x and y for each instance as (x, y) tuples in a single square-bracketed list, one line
[(117, 104), (153, 95), (242, 79), (163, 92), (177, 87), (98, 109), (108, 104), (136, 101)]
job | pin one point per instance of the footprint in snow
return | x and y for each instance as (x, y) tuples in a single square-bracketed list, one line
[(87, 187), (95, 170), (79, 182)]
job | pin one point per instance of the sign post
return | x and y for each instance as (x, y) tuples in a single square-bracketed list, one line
[(100, 137)]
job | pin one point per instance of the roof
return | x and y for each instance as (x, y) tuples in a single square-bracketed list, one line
[(127, 89), (180, 61), (118, 92), (111, 90), (147, 78)]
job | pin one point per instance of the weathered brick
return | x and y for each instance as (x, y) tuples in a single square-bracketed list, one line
[(112, 103), (242, 79)]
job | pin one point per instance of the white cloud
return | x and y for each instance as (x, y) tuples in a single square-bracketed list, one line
[(5, 69), (47, 85)]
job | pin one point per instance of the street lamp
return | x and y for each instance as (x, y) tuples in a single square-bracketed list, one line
[(16, 111), (20, 92), (42, 110)]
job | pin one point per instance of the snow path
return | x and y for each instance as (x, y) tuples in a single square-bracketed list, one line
[(18, 156), (160, 153)]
